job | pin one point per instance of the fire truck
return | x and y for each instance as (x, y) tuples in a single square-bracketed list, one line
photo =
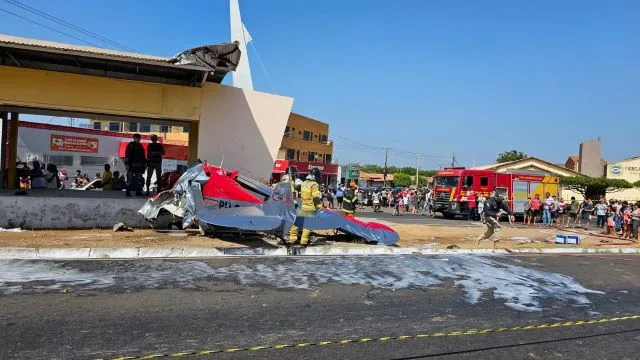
[(456, 188)]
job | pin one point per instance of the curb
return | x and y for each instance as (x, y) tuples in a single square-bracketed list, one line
[(190, 253)]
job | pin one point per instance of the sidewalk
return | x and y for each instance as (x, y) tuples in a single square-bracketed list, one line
[(415, 239)]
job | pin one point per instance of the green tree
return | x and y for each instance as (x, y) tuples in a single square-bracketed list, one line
[(512, 155), (402, 180), (636, 184), (594, 187)]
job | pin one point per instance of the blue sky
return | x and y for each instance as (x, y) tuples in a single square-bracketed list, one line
[(436, 77)]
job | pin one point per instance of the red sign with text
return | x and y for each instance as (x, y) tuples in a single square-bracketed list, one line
[(74, 143)]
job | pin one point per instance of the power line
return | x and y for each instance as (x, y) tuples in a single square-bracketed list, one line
[(264, 69), (47, 27), (67, 24)]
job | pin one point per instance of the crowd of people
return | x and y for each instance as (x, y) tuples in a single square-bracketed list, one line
[(137, 161)]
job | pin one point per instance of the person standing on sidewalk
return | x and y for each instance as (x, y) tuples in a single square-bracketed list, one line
[(155, 151), (136, 162), (547, 219), (601, 213)]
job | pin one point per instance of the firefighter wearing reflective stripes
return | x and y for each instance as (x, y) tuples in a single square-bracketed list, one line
[(311, 202), (293, 231), (350, 200)]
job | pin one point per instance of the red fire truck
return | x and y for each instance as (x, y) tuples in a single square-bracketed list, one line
[(456, 188)]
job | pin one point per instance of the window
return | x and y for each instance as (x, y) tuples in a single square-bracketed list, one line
[(114, 126), (286, 132), (312, 156), (145, 128), (164, 128), (94, 160), (468, 181), (133, 127), (484, 181), (323, 139), (97, 125), (291, 154), (447, 181), (307, 135), (59, 160), (292, 133), (185, 129), (298, 155), (327, 158)]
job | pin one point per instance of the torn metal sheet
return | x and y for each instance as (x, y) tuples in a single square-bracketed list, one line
[(215, 199)]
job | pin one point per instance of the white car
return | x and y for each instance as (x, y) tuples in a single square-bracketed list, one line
[(94, 185)]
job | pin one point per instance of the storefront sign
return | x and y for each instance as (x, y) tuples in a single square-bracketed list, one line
[(74, 143), (169, 165)]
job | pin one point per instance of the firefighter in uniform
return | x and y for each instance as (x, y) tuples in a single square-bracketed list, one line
[(493, 209), (288, 178), (311, 202), (350, 200)]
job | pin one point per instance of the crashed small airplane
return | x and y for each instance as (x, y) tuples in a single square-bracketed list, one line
[(218, 201)]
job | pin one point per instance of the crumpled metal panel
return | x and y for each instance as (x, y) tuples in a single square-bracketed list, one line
[(276, 215)]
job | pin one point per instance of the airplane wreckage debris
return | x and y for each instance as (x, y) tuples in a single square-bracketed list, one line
[(216, 200)]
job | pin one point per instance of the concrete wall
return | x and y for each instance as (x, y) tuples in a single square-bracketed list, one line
[(46, 209), (241, 128), (590, 159)]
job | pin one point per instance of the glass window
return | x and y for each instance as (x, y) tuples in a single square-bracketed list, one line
[(94, 160), (185, 129), (468, 181), (291, 154), (164, 128), (114, 126), (59, 160), (484, 181), (448, 181), (323, 139), (311, 157), (145, 128), (327, 158), (133, 127), (307, 135), (286, 131), (97, 125)]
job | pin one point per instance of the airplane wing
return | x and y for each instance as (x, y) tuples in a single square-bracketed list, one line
[(328, 219)]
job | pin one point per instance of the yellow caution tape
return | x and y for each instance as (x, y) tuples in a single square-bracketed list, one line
[(382, 339)]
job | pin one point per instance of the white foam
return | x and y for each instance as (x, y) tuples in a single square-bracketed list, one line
[(479, 278)]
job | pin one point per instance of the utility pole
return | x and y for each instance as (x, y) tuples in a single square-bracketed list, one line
[(384, 176), (417, 169), (453, 161)]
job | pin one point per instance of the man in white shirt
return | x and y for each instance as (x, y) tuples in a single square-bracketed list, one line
[(547, 220)]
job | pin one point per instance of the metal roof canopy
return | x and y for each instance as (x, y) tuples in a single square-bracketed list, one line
[(91, 116), (92, 61)]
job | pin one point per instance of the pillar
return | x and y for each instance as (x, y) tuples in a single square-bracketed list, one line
[(4, 116), (12, 153), (193, 141)]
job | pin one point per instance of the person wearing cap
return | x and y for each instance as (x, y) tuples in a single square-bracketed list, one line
[(135, 162), (350, 200), (155, 151), (495, 207)]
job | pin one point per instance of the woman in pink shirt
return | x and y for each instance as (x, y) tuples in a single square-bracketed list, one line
[(535, 207)]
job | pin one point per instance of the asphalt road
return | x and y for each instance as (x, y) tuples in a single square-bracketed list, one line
[(107, 309)]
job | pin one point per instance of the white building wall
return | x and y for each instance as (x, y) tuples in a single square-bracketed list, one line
[(242, 129)]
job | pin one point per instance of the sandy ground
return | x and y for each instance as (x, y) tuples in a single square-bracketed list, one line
[(410, 236)]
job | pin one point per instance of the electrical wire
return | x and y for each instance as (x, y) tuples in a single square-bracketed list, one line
[(264, 69), (67, 24), (48, 27)]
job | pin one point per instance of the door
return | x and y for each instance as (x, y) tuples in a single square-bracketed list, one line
[(520, 195)]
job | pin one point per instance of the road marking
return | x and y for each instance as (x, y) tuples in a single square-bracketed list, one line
[(382, 339)]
